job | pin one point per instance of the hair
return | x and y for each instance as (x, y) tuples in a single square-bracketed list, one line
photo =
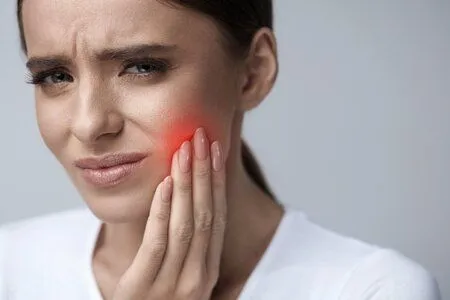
[(238, 20)]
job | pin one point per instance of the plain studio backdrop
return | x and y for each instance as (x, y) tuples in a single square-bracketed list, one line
[(356, 132)]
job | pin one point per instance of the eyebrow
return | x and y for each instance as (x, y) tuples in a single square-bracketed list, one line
[(112, 54)]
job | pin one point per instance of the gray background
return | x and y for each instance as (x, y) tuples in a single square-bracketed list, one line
[(356, 132)]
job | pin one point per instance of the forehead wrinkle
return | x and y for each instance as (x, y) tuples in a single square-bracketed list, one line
[(81, 28), (76, 38)]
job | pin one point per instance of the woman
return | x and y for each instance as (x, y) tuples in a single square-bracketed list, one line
[(142, 102)]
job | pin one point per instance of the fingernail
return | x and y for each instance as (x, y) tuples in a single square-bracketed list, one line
[(201, 144), (217, 156), (184, 157)]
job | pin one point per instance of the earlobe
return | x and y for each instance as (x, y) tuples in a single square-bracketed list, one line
[(260, 71)]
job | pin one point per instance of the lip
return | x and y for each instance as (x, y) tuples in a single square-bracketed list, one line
[(111, 169)]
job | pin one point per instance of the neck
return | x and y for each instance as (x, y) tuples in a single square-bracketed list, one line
[(253, 217)]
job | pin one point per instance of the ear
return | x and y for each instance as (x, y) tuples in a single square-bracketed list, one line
[(260, 69)]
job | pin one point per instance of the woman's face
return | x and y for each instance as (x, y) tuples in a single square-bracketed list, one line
[(121, 76)]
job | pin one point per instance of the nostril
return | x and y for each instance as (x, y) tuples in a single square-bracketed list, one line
[(91, 125)]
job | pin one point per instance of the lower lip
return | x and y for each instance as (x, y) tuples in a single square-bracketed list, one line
[(112, 176)]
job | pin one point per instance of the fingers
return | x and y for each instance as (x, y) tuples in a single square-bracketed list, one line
[(220, 210), (181, 225), (183, 239), (154, 244), (195, 263), (197, 217)]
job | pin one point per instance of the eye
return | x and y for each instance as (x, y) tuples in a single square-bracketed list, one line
[(50, 78), (141, 68), (57, 77), (146, 68)]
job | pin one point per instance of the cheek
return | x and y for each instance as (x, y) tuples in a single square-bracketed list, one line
[(180, 130), (53, 122), (175, 116), (183, 127)]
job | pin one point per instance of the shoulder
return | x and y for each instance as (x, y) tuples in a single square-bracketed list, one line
[(308, 257), (51, 249), (388, 274), (42, 236), (303, 243), (41, 228)]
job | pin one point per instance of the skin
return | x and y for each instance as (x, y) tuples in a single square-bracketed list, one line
[(92, 105)]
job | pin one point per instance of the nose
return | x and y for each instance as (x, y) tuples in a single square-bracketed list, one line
[(95, 115)]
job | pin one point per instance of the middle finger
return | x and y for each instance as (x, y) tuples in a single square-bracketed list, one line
[(195, 263)]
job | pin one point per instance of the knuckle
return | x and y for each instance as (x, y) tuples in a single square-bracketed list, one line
[(157, 245), (165, 202), (157, 254), (162, 215), (219, 179), (163, 292), (220, 222), (203, 220), (160, 240), (184, 186), (202, 171), (184, 232), (192, 289)]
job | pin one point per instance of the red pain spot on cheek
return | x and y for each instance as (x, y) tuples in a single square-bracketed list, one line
[(178, 133)]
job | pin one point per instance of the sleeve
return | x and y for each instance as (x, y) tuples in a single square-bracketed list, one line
[(2, 264), (388, 275)]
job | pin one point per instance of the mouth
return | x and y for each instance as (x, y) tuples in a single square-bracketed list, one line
[(110, 170)]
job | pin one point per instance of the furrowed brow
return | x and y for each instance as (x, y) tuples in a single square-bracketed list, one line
[(124, 53), (134, 51), (49, 62)]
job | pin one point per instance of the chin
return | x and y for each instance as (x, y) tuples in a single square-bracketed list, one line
[(120, 208), (124, 203)]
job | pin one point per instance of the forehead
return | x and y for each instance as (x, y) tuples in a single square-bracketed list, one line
[(67, 26)]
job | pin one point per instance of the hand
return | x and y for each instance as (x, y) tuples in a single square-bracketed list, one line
[(180, 253)]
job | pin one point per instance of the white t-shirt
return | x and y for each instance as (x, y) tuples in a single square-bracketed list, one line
[(50, 257)]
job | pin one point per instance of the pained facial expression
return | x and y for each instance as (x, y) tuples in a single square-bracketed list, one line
[(126, 76)]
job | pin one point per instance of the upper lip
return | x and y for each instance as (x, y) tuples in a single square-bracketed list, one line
[(109, 160)]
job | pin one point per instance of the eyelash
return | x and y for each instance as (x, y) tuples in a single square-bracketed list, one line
[(156, 66)]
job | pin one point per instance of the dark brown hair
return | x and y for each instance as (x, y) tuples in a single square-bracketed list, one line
[(239, 21)]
